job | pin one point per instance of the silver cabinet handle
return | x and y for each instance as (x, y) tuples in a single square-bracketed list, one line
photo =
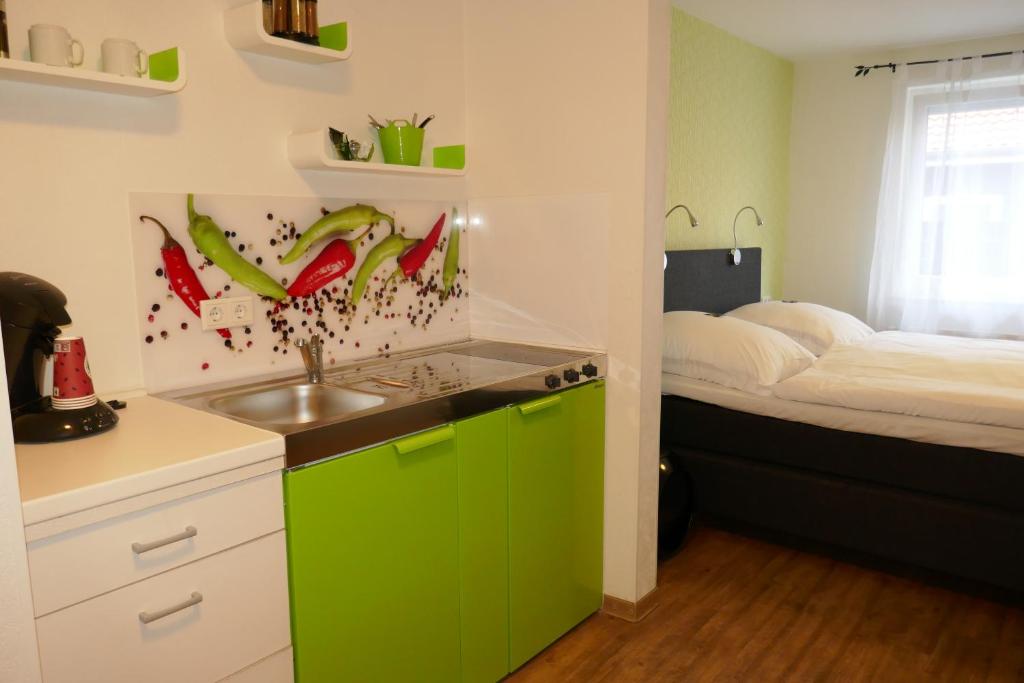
[(139, 548), (194, 599)]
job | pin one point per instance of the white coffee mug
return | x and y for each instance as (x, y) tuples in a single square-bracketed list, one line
[(123, 57), (53, 45)]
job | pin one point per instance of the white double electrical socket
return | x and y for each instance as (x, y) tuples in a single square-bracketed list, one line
[(217, 314)]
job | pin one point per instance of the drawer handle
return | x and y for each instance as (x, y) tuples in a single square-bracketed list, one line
[(192, 600), (540, 404), (418, 442), (139, 548)]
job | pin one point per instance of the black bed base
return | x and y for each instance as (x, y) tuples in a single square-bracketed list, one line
[(952, 510)]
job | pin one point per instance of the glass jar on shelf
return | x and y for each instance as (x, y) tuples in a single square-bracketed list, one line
[(268, 16), (312, 23), (297, 19), (280, 12), (5, 46)]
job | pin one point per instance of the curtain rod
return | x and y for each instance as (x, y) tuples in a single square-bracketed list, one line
[(862, 70)]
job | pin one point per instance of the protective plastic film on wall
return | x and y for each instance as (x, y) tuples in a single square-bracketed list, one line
[(540, 269)]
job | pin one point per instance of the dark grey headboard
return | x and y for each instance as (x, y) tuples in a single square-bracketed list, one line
[(706, 280)]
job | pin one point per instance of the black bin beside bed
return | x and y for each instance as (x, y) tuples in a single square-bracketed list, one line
[(958, 511)]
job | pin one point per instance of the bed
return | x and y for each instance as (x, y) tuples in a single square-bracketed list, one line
[(935, 493)]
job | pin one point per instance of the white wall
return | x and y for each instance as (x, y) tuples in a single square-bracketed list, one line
[(564, 100), (568, 139), (838, 144), (71, 158), (19, 658)]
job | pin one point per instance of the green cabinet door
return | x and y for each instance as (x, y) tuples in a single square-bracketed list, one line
[(373, 559), (483, 545), (556, 502)]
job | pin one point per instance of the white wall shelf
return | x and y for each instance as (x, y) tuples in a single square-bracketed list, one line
[(243, 26), (172, 64), (312, 150)]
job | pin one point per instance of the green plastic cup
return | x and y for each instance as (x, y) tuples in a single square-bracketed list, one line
[(402, 144)]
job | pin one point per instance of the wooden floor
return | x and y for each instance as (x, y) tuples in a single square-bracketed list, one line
[(737, 609)]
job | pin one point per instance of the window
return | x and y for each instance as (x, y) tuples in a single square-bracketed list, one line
[(949, 252)]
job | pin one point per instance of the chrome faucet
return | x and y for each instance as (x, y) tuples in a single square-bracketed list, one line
[(313, 356)]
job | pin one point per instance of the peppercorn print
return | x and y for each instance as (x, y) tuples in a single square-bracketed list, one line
[(371, 277)]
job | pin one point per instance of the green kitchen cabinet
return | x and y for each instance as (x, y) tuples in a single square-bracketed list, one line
[(455, 554), (373, 559), (555, 519), (483, 545)]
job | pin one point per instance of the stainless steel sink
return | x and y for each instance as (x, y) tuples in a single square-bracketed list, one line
[(373, 400), (295, 404)]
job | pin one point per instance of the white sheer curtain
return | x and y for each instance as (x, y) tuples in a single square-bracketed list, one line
[(949, 246)]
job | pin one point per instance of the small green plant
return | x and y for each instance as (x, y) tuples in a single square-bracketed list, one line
[(348, 149)]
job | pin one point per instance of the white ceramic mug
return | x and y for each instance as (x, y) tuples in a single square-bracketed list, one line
[(123, 57), (53, 45)]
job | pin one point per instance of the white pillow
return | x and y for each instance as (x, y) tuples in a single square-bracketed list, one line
[(730, 351), (813, 326)]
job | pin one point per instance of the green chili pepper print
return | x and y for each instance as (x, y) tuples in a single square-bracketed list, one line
[(212, 243), (342, 220), (451, 257), (389, 247)]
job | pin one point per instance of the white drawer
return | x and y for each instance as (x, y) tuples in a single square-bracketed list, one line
[(82, 563), (277, 668), (242, 618)]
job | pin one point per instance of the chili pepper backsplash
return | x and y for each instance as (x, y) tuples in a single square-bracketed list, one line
[(372, 277)]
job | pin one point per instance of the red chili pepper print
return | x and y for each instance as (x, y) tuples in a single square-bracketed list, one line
[(414, 259), (182, 278), (336, 259)]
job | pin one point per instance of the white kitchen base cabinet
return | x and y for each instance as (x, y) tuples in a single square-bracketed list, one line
[(242, 618), (82, 563)]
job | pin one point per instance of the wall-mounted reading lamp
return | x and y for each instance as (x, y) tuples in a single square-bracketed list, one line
[(735, 254), (693, 224), (693, 219)]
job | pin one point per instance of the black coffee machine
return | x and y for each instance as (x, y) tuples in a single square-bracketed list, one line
[(31, 312)]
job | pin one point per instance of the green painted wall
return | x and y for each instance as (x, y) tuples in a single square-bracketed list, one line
[(729, 120)]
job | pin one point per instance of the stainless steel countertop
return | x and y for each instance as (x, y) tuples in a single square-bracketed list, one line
[(420, 389)]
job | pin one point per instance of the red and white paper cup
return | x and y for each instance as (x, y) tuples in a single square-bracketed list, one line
[(72, 381)]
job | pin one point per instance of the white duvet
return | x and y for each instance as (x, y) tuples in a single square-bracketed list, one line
[(979, 381)]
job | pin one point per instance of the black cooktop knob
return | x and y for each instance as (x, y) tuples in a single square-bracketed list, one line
[(571, 376), (552, 382), (590, 370)]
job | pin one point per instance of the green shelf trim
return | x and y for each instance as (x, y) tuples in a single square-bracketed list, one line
[(163, 66), (452, 156), (334, 36)]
